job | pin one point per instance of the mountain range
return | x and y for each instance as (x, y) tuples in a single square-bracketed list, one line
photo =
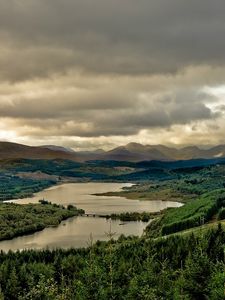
[(133, 152)]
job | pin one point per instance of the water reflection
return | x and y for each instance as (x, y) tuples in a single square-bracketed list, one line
[(75, 232)]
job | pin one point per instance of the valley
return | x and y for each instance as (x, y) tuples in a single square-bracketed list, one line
[(98, 187), (76, 231)]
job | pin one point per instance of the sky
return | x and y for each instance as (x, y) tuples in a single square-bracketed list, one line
[(92, 74)]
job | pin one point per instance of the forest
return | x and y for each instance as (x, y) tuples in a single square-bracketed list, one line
[(178, 267), (14, 187), (194, 213)]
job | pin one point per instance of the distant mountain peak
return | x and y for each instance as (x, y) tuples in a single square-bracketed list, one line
[(58, 148), (191, 148), (134, 144), (133, 152)]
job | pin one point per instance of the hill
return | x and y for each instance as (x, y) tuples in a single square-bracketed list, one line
[(14, 151), (132, 152)]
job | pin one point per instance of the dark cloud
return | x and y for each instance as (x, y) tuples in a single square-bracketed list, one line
[(113, 36), (83, 70)]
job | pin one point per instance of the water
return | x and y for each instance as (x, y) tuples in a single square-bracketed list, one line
[(81, 195), (76, 231)]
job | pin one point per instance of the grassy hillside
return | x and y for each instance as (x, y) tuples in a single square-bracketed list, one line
[(193, 214)]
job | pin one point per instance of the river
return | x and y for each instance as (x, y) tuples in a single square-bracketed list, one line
[(76, 231)]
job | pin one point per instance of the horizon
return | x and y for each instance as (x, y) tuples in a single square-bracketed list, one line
[(107, 73), (180, 147)]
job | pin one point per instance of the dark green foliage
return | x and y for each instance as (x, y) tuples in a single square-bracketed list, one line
[(190, 267), (221, 215), (14, 187), (133, 216), (17, 219)]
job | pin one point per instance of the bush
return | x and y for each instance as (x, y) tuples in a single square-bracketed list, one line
[(221, 215)]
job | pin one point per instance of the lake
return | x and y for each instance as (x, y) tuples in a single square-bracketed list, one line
[(76, 231)]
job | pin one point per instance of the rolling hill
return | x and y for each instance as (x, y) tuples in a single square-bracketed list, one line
[(13, 151)]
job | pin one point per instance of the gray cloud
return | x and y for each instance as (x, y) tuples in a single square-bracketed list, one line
[(113, 36), (81, 71), (109, 113)]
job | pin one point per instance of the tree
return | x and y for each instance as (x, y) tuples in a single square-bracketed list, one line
[(12, 287)]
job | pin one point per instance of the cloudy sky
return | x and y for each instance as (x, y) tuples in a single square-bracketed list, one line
[(100, 73)]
